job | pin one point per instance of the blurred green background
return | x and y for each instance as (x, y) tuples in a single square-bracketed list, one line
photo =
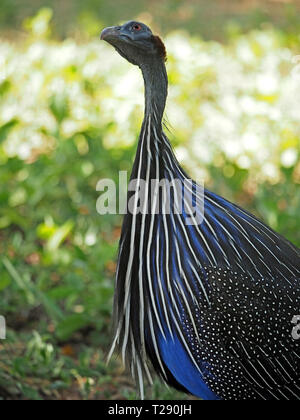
[(70, 111)]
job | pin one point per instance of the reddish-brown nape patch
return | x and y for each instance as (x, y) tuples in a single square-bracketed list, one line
[(161, 47)]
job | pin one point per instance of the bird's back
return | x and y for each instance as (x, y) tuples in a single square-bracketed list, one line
[(237, 292), (217, 298)]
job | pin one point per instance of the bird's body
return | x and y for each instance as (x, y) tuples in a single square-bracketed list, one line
[(210, 304)]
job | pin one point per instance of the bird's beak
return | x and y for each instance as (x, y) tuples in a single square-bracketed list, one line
[(110, 34)]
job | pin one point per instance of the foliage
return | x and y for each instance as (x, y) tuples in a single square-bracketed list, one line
[(69, 116), (214, 19)]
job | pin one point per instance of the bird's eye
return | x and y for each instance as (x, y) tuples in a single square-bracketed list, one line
[(137, 27)]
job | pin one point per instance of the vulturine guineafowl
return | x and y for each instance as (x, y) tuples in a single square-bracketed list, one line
[(207, 296)]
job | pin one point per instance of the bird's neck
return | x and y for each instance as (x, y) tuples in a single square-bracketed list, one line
[(156, 89)]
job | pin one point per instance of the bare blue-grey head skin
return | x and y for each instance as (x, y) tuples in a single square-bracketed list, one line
[(136, 43)]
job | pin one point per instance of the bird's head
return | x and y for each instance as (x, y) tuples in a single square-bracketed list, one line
[(135, 42)]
